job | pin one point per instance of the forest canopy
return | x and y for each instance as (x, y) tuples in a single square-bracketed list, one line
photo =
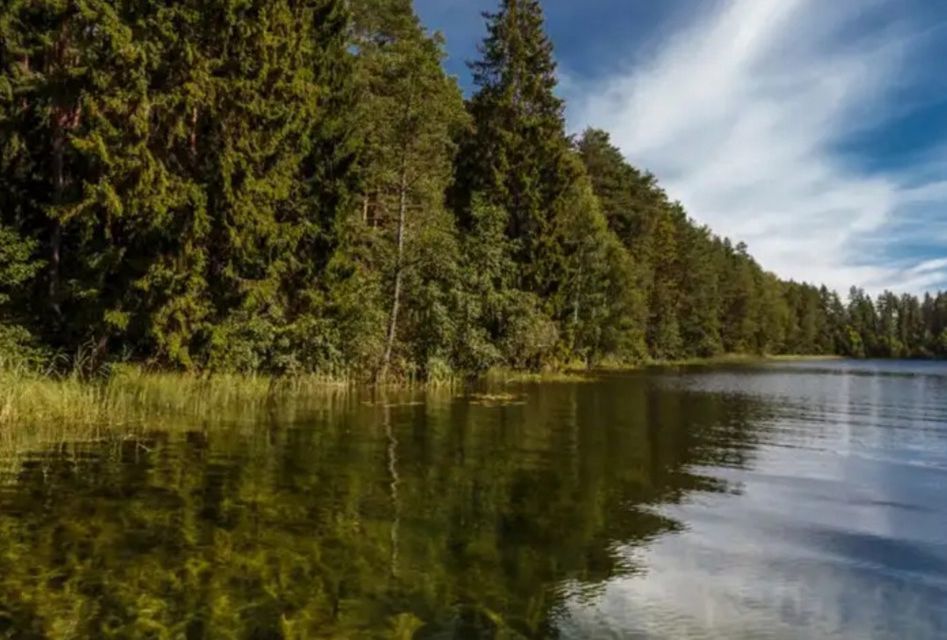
[(288, 186)]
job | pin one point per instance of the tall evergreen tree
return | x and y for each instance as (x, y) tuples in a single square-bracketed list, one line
[(80, 178), (700, 291), (600, 311), (497, 323), (264, 102), (517, 153), (164, 177)]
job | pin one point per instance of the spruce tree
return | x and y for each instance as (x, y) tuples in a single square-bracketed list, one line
[(700, 290), (260, 100), (597, 303), (253, 113), (517, 153), (79, 178)]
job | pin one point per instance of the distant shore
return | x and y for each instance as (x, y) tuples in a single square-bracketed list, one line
[(737, 358)]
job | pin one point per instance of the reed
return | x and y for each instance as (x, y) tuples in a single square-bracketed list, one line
[(41, 409)]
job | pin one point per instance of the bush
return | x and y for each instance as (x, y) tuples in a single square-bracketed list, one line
[(18, 349)]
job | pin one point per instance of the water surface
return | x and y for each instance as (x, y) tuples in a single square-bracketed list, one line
[(804, 500)]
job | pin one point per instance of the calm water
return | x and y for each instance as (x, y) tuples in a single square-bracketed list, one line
[(785, 501)]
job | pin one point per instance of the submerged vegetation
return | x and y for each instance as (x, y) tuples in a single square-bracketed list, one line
[(297, 188), (388, 520)]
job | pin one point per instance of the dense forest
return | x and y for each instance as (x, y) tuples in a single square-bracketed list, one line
[(290, 186)]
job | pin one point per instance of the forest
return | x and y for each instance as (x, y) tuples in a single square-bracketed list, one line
[(298, 186)]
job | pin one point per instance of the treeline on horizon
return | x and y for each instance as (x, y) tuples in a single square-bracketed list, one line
[(289, 186)]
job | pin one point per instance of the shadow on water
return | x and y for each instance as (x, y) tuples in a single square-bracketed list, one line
[(431, 516)]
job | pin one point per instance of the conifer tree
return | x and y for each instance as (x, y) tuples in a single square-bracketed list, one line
[(251, 116), (79, 178), (664, 333), (261, 100), (600, 310), (700, 290), (410, 111), (264, 185), (517, 154)]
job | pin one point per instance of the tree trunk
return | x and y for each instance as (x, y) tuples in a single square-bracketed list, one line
[(399, 269), (576, 308), (65, 117), (192, 139), (55, 232)]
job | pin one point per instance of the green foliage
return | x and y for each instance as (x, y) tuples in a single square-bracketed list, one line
[(168, 175), (940, 346), (17, 268), (291, 187), (409, 112), (498, 323), (517, 154), (601, 315)]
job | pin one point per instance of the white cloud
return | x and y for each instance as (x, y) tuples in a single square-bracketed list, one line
[(740, 114)]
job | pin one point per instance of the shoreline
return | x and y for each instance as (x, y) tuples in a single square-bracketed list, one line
[(737, 358), (131, 402)]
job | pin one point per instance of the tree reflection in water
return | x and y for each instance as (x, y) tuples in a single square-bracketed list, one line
[(387, 517)]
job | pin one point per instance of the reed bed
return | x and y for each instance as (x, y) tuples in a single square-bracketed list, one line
[(38, 409)]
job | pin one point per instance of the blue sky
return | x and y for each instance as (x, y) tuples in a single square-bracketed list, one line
[(814, 131)]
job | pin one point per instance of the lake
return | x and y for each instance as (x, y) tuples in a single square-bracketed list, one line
[(785, 500)]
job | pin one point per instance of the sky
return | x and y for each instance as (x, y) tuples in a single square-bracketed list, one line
[(814, 131)]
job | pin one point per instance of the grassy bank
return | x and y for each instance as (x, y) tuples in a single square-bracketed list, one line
[(129, 399), (127, 396), (127, 393)]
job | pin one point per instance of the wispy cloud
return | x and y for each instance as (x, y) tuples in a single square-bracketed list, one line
[(741, 114)]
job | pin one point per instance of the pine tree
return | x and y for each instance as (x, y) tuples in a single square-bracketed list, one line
[(410, 111)]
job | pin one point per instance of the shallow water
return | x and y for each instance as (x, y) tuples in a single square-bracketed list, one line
[(803, 500)]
